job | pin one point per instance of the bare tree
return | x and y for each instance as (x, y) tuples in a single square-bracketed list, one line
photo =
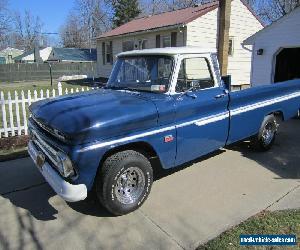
[(27, 31), (4, 23), (179, 4), (89, 17), (71, 34), (271, 10), (268, 10), (150, 7)]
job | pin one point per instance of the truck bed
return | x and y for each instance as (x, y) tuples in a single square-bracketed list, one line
[(249, 107)]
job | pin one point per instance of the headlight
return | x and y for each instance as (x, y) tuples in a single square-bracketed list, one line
[(64, 165)]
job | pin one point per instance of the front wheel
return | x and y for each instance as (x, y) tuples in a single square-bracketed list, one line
[(265, 138), (124, 182)]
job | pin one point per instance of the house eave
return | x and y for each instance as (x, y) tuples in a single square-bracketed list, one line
[(142, 32)]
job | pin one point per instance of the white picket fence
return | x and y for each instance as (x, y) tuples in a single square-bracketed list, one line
[(14, 108)]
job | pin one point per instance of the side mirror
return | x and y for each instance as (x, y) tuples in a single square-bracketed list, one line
[(227, 82)]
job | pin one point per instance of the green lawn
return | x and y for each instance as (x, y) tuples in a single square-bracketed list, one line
[(38, 86), (280, 222)]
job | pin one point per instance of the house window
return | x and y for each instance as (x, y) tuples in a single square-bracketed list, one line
[(142, 44), (108, 52), (103, 53), (231, 46), (157, 41), (174, 39), (166, 41), (128, 45)]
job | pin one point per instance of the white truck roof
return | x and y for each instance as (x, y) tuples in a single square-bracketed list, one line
[(170, 51)]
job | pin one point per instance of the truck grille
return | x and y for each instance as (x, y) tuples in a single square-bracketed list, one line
[(42, 145), (47, 129)]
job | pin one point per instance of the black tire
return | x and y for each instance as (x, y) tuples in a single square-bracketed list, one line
[(298, 115), (120, 174), (265, 138)]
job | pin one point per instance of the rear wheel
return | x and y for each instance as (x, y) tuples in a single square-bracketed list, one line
[(124, 182), (265, 138)]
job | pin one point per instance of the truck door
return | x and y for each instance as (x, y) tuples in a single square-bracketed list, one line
[(202, 116)]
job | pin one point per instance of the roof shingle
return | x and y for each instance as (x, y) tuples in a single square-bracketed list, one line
[(182, 16)]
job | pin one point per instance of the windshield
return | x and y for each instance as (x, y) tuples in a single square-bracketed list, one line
[(142, 73)]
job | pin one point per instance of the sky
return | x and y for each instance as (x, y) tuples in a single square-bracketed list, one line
[(51, 12)]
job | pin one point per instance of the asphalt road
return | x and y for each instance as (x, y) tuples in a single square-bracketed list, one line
[(185, 208)]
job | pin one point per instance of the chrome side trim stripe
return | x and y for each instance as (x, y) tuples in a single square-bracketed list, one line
[(124, 139), (199, 122), (212, 119), (262, 104), (205, 120)]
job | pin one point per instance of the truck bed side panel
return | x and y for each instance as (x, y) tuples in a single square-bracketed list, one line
[(249, 107)]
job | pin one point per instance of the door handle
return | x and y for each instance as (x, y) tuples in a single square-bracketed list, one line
[(220, 96)]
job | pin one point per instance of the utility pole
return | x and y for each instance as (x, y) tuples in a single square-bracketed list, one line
[(223, 39)]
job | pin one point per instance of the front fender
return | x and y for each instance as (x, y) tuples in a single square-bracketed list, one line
[(87, 157)]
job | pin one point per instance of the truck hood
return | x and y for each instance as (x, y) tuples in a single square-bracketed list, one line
[(94, 115)]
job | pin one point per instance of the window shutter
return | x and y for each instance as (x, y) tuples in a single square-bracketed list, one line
[(111, 52), (157, 41), (103, 53), (174, 39)]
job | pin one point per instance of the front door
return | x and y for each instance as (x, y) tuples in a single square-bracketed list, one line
[(202, 116)]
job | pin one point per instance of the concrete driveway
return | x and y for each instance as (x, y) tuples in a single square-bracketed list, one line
[(184, 209)]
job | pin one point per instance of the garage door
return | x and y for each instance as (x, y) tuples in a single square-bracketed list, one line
[(287, 65)]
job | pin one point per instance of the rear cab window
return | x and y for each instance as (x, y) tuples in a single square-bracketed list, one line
[(194, 72)]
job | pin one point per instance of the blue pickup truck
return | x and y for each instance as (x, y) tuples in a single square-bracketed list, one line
[(168, 104)]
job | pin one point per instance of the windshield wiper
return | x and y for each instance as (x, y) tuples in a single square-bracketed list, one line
[(117, 87), (121, 88)]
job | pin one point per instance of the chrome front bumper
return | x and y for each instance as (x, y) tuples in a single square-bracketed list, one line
[(64, 189)]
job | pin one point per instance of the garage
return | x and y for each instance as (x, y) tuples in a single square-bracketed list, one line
[(276, 51), (287, 65)]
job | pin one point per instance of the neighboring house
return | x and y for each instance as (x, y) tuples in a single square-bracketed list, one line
[(276, 51), (51, 54), (194, 26), (28, 56), (7, 55), (73, 55)]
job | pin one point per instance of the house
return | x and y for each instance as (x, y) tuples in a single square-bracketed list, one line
[(72, 55), (194, 26), (51, 54), (7, 55), (276, 51), (28, 56)]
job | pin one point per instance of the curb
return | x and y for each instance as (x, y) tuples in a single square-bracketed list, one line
[(18, 154)]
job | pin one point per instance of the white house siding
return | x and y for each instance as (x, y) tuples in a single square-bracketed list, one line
[(243, 25), (105, 70), (285, 33), (203, 32)]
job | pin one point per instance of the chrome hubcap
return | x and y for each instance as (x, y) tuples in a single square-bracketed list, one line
[(268, 133), (130, 185)]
